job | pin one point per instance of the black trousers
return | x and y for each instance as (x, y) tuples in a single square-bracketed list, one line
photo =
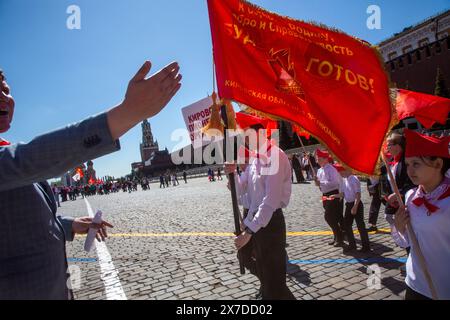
[(359, 218), (413, 295), (299, 175), (375, 207), (270, 250), (333, 216), (340, 215)]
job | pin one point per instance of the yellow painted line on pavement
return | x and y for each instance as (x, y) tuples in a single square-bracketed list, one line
[(176, 234), (223, 234), (327, 233)]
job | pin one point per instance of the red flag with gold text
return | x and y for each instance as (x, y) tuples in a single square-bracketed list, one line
[(332, 85)]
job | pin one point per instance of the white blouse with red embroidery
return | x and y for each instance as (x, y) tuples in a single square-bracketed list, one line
[(430, 219)]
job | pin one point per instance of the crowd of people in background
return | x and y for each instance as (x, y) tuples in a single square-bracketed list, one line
[(301, 168), (170, 178), (71, 193), (212, 177)]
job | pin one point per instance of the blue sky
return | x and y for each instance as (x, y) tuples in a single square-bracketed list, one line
[(59, 76)]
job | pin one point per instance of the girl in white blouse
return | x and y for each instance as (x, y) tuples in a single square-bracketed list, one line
[(428, 211)]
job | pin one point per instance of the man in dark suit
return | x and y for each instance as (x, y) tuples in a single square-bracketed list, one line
[(33, 262)]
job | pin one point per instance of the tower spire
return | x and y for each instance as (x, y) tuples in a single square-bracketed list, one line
[(148, 145)]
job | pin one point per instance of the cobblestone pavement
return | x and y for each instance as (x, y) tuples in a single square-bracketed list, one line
[(176, 243)]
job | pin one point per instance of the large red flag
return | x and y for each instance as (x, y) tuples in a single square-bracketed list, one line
[(426, 108), (329, 83)]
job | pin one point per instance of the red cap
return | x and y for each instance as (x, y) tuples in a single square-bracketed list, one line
[(339, 167), (322, 154), (4, 143), (418, 145), (246, 121)]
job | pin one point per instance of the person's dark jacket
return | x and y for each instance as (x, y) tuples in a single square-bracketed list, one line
[(33, 261), (404, 184)]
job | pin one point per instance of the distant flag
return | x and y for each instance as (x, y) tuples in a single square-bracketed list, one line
[(426, 108), (80, 172), (300, 132)]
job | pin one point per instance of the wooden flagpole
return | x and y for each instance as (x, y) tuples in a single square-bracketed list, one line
[(232, 180)]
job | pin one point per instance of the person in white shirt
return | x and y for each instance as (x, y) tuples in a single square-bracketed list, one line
[(354, 210), (268, 188), (428, 211), (329, 181), (56, 193), (306, 167)]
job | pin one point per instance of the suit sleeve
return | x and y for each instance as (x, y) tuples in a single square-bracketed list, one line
[(52, 154), (66, 223)]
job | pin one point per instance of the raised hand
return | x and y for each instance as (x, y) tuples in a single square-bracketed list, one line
[(145, 97)]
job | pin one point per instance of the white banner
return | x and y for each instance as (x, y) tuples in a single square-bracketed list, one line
[(196, 116)]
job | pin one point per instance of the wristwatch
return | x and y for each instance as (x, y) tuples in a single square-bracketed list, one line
[(249, 231)]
